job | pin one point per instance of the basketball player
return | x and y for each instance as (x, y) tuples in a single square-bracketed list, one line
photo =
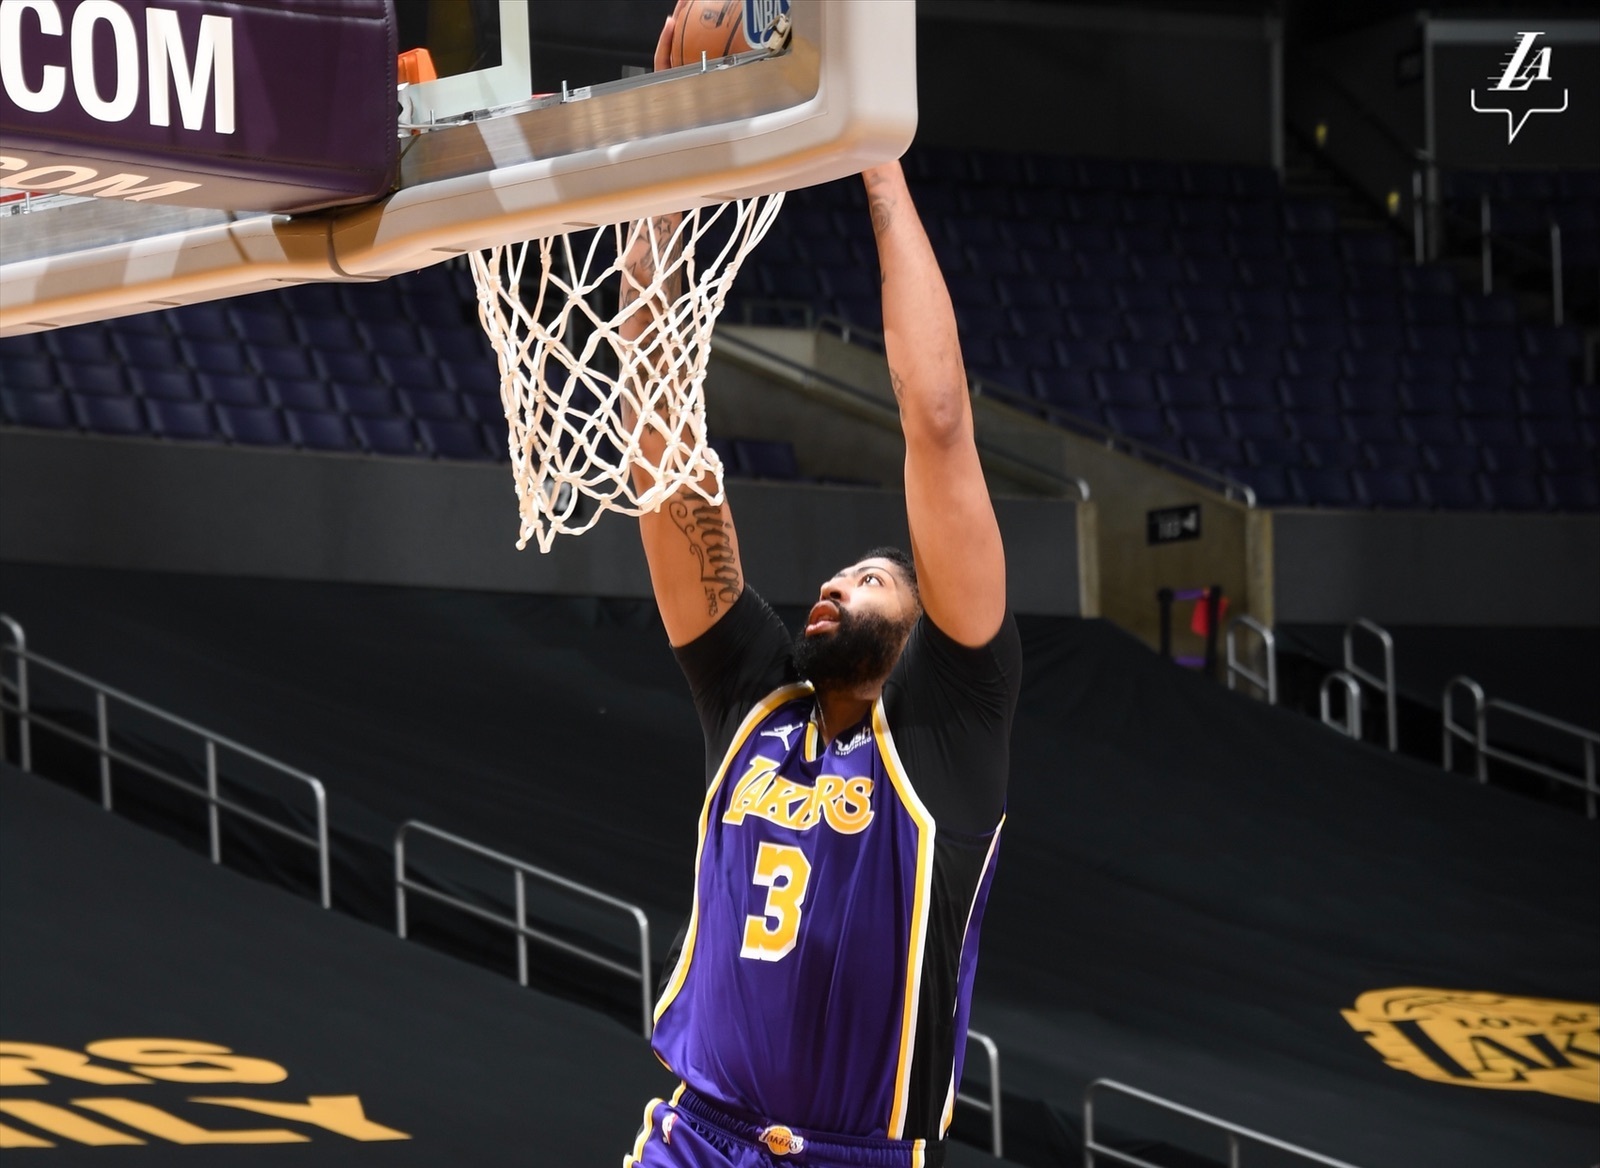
[(817, 1007)]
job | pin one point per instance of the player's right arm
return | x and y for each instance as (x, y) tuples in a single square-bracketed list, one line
[(690, 545)]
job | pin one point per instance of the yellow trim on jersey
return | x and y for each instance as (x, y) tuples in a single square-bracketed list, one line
[(754, 718), (919, 915), (950, 1095), (637, 1154)]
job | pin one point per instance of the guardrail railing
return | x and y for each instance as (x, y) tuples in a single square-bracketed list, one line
[(1235, 1135), (1351, 726), (990, 1106), (518, 923), (1267, 683), (1385, 684), (15, 699), (1478, 735)]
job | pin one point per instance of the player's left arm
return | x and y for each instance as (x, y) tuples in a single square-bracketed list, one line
[(955, 539)]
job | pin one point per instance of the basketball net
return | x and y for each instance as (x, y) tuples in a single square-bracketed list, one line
[(581, 399)]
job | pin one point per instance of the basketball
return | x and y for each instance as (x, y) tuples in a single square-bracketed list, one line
[(713, 28)]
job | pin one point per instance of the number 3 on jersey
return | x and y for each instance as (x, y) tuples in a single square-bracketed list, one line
[(784, 871)]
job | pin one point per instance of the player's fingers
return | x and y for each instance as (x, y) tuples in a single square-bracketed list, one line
[(664, 43)]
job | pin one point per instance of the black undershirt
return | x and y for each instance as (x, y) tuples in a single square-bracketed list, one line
[(949, 707)]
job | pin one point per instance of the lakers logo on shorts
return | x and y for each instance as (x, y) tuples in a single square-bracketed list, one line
[(781, 1141)]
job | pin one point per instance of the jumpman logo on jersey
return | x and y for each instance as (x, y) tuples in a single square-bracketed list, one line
[(782, 733)]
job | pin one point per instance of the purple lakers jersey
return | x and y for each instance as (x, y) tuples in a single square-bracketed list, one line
[(826, 972)]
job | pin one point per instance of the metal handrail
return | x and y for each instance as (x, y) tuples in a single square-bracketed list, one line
[(1478, 735), (1234, 1132), (20, 687), (1385, 684), (990, 1107), (1352, 703), (1268, 684), (519, 923), (101, 744), (1226, 485), (1055, 477)]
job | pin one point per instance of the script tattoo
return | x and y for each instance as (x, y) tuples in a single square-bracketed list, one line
[(712, 544), (879, 203)]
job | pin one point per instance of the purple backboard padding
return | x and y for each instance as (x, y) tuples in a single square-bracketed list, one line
[(314, 101)]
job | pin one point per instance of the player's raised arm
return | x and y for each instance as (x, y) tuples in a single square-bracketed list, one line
[(689, 544), (955, 539)]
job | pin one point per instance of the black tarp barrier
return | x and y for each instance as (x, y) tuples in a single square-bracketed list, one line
[(1193, 888)]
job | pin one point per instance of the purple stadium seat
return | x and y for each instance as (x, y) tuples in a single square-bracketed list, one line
[(1368, 248), (1434, 338), (37, 409), (969, 290), (1104, 265), (456, 343), (328, 332), (378, 301), (1024, 352), (144, 323), (1436, 431), (1202, 360), (1494, 341), (1545, 370), (148, 350), (1089, 325), (1565, 340), (1489, 369), (1268, 271), (259, 326), (1378, 336), (1086, 238), (1199, 241), (1025, 292), (1260, 302), (1452, 460), (1143, 355), (1248, 393), (449, 439), (1068, 389), (1213, 271), (182, 420), (1212, 330), (1248, 424), (1085, 294), (1256, 215), (413, 371), (1301, 213), (367, 401), (1440, 368), (1271, 484), (1573, 492), (1126, 387), (1569, 459), (1041, 204), (169, 384), (1371, 368), (252, 425), (346, 367), (1406, 456), (302, 394), (1426, 397), (281, 360), (312, 302), (1520, 461), (1310, 249), (1084, 354), (319, 430), (1265, 363), (1028, 235), (214, 356), (1144, 297), (1263, 332), (101, 380), (82, 344), (1198, 422), (865, 311), (1492, 431), (1274, 452), (1374, 427), (202, 322), (1372, 306), (1317, 364), (1487, 401), (983, 321), (1144, 242), (436, 404), (235, 389), (1143, 423), (1386, 488), (980, 351), (1451, 491), (1323, 488), (1187, 389), (30, 373), (1315, 303), (1320, 273), (1092, 207), (386, 435), (1213, 452), (1513, 492), (1312, 395), (1335, 455), (1317, 427)]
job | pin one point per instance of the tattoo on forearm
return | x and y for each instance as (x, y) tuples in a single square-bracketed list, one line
[(711, 542), (896, 383)]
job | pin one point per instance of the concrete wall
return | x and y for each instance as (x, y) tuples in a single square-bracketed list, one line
[(136, 503), (1330, 567)]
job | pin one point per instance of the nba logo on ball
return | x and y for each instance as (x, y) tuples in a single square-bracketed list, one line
[(759, 16)]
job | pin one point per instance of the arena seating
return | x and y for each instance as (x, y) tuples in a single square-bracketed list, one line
[(1196, 308)]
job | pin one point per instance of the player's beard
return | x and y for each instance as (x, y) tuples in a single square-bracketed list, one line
[(860, 649)]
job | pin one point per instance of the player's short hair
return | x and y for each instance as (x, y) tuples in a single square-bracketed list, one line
[(900, 560)]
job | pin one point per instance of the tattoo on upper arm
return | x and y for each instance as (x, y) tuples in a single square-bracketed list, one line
[(711, 542)]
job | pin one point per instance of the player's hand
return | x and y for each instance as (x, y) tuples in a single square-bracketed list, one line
[(664, 44)]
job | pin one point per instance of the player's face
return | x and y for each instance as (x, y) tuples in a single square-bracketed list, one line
[(855, 631)]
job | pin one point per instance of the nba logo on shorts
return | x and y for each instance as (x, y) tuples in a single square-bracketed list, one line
[(758, 18)]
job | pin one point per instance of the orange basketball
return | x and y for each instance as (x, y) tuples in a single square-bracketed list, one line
[(715, 28)]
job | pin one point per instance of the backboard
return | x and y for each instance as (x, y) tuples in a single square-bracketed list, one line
[(841, 97)]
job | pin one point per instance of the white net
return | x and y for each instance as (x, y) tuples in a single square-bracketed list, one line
[(603, 358)]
